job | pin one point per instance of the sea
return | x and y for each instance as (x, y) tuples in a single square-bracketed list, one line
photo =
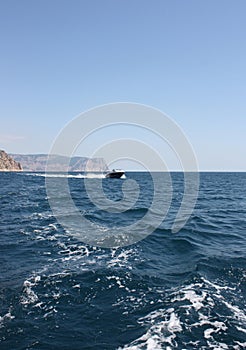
[(183, 290)]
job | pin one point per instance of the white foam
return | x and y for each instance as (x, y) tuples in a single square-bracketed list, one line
[(237, 312), (73, 252), (119, 281), (243, 345), (53, 227), (218, 326), (241, 329), (50, 312), (191, 295), (163, 329), (217, 346), (216, 286), (174, 324), (120, 258), (29, 296), (163, 326), (71, 176), (7, 317)]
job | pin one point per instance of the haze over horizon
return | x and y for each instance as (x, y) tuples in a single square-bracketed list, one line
[(187, 59)]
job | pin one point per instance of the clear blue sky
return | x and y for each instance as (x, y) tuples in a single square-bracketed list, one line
[(185, 57)]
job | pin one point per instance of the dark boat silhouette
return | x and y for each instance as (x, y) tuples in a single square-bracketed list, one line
[(115, 174)]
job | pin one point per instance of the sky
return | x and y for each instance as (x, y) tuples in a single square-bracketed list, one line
[(186, 58)]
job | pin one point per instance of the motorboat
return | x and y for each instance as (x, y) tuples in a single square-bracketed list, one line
[(115, 174)]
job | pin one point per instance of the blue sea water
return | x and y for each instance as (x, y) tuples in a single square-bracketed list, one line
[(182, 290)]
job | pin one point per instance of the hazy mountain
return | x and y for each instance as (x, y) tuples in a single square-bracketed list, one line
[(37, 162)]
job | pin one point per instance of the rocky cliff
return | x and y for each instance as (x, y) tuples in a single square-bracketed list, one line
[(37, 162), (7, 163)]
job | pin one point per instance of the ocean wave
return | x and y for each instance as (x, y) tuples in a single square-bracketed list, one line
[(198, 316), (184, 290)]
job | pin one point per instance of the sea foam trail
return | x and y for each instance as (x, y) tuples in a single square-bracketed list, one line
[(69, 176), (191, 309)]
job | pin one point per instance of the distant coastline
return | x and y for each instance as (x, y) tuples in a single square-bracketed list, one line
[(37, 162)]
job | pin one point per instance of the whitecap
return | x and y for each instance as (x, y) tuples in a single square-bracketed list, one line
[(7, 317), (163, 329)]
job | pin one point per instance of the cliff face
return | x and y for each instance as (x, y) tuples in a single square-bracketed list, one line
[(7, 163), (96, 163), (37, 162)]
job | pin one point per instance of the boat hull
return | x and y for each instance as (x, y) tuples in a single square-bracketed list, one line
[(115, 174)]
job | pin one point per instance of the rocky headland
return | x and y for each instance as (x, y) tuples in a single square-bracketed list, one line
[(7, 163)]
